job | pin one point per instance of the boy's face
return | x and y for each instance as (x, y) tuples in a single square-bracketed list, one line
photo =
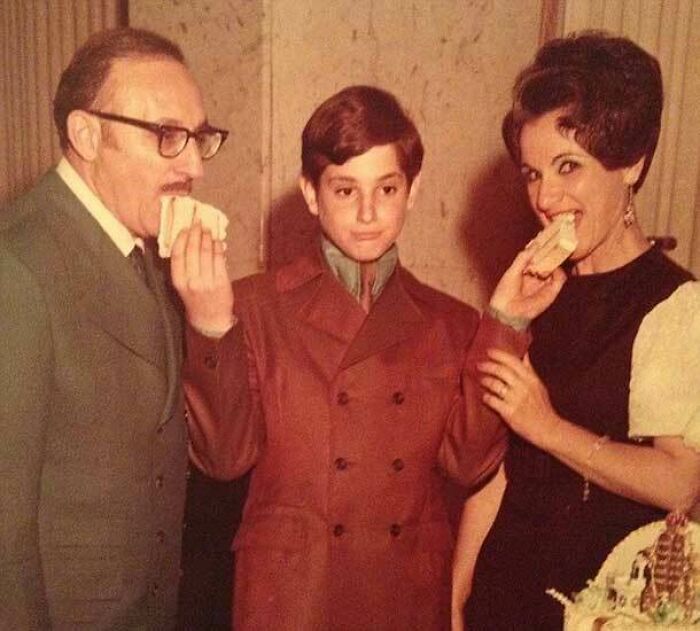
[(362, 203)]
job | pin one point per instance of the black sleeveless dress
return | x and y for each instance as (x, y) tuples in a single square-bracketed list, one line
[(545, 535)]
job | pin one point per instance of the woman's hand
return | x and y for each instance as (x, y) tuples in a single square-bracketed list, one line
[(198, 269), (514, 390), (521, 295), (666, 474)]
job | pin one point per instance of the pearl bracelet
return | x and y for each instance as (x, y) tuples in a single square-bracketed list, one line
[(595, 448)]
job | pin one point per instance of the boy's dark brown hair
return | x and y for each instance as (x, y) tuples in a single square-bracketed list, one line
[(610, 90), (353, 121)]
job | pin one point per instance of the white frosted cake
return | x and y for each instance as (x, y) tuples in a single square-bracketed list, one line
[(650, 580)]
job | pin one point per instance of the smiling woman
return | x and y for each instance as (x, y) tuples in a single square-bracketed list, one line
[(577, 478), (562, 177)]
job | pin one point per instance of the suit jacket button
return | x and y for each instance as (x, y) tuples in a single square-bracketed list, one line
[(341, 464), (398, 398), (397, 465), (159, 481), (343, 398), (395, 530), (338, 530), (211, 360)]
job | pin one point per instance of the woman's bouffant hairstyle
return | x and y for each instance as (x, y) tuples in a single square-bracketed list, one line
[(610, 90), (87, 72), (353, 121)]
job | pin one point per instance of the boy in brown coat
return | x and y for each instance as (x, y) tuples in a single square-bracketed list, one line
[(362, 397)]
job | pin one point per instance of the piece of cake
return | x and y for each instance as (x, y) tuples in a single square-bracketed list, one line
[(651, 580), (178, 213), (553, 245)]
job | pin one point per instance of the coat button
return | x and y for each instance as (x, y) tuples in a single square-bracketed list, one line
[(338, 530), (398, 398), (159, 481), (395, 530), (343, 398), (341, 464), (154, 589), (397, 465), (160, 536), (211, 360)]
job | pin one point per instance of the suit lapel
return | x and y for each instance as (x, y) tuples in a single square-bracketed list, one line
[(107, 288), (173, 335)]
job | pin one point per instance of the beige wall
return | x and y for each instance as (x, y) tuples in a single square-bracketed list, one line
[(223, 44), (265, 64)]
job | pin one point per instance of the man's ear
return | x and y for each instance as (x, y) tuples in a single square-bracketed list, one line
[(631, 174), (308, 190), (413, 192), (84, 133)]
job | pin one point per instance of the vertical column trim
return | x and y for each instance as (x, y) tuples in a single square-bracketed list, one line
[(266, 149), (37, 40), (551, 21)]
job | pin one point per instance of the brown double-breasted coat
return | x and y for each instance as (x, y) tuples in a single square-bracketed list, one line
[(352, 421)]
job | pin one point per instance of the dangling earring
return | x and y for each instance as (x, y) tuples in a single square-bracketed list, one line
[(629, 216)]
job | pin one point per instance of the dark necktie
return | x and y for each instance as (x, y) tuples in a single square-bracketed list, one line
[(137, 258)]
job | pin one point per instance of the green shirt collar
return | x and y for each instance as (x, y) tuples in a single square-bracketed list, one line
[(347, 270)]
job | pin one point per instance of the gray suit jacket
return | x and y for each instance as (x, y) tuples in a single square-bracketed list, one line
[(92, 434)]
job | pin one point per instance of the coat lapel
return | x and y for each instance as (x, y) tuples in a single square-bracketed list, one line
[(394, 317), (173, 335), (325, 316), (107, 288), (316, 297)]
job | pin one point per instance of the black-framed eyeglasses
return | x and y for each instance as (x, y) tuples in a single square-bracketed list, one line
[(173, 139)]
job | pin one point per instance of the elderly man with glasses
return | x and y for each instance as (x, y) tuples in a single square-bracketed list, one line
[(92, 431)]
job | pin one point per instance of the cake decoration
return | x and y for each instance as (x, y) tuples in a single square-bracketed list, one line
[(651, 578)]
